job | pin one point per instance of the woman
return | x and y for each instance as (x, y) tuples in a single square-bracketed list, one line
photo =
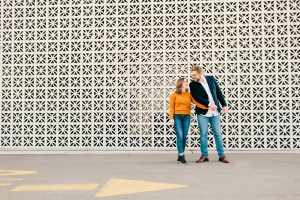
[(180, 110)]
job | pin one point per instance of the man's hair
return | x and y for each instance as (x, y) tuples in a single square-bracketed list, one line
[(197, 68)]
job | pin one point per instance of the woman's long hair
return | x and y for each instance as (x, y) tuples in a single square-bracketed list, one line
[(179, 86)]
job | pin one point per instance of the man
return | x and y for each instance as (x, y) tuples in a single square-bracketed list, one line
[(206, 91)]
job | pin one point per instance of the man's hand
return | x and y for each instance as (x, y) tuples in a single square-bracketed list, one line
[(212, 107), (225, 110), (172, 122)]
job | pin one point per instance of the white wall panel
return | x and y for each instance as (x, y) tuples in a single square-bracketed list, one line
[(97, 74)]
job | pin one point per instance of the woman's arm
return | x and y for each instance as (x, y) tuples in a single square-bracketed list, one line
[(172, 105), (199, 105)]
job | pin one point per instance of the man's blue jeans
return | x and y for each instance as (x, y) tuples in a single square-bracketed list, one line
[(215, 123), (181, 126)]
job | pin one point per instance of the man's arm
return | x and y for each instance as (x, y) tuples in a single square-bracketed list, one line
[(220, 95), (195, 91)]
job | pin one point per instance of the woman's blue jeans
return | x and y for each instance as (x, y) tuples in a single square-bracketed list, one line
[(182, 124)]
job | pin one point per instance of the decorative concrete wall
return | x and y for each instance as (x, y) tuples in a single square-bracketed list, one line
[(97, 74)]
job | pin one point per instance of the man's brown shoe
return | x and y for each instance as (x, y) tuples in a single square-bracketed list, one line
[(223, 159), (202, 159)]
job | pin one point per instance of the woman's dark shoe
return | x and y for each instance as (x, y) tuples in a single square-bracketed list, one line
[(182, 160)]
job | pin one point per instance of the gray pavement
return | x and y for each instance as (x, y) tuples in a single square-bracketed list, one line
[(249, 175)]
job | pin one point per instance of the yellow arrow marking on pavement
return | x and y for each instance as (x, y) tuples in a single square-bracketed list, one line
[(4, 184), (122, 186), (15, 172), (11, 179), (55, 187)]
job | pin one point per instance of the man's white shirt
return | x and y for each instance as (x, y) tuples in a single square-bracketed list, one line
[(209, 113)]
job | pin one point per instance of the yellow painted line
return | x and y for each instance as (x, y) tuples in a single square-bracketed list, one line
[(4, 184), (11, 179), (122, 186), (15, 172), (55, 187)]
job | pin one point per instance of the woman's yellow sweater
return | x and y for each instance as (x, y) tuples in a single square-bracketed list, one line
[(181, 104)]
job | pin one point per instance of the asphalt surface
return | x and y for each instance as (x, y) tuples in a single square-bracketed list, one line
[(249, 176)]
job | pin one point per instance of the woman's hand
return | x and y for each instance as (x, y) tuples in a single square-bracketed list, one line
[(212, 107), (172, 122)]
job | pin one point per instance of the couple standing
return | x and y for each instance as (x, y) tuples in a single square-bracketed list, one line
[(207, 97)]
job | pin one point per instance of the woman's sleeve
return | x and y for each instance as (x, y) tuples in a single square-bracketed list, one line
[(172, 106), (199, 105)]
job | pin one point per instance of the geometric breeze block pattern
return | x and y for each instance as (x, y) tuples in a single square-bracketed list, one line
[(97, 74)]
